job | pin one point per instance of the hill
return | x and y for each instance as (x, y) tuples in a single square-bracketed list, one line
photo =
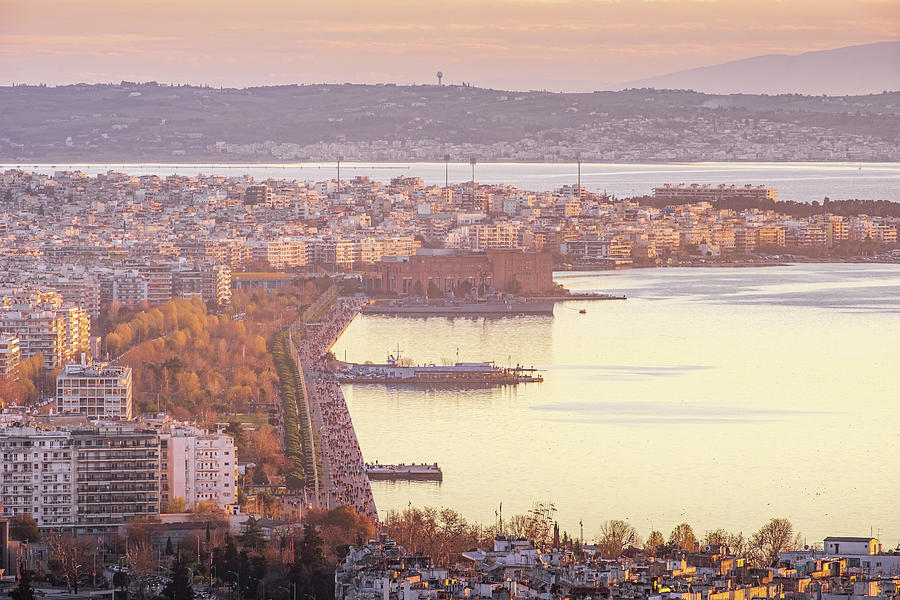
[(866, 69), (142, 122)]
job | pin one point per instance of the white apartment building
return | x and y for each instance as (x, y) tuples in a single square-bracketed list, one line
[(86, 479), (37, 475), (196, 465), (98, 391)]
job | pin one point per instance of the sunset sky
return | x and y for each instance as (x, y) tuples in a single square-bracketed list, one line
[(571, 45)]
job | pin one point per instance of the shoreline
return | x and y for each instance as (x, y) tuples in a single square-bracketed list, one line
[(6, 163)]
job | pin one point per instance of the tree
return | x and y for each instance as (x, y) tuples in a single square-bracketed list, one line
[(683, 537), (717, 537), (169, 550), (69, 558), (176, 505), (253, 536), (24, 528), (179, 588), (25, 590), (536, 524), (310, 571), (615, 536), (143, 563), (775, 536), (656, 539)]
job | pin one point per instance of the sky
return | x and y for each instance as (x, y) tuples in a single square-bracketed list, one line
[(558, 45)]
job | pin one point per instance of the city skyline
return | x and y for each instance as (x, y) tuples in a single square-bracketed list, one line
[(510, 45)]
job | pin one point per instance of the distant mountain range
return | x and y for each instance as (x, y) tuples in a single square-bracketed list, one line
[(867, 69)]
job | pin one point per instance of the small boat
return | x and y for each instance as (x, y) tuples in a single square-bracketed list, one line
[(582, 311)]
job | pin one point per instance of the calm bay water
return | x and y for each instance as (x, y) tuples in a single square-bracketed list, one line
[(800, 182), (720, 396)]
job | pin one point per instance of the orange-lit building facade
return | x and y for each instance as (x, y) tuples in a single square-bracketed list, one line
[(506, 270)]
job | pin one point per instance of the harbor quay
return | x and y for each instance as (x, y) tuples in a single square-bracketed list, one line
[(344, 472)]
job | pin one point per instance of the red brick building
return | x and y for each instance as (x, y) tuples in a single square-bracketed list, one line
[(507, 270)]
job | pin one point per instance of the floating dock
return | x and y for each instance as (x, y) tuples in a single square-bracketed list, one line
[(404, 472)]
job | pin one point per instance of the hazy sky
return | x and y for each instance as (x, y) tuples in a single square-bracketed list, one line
[(514, 44)]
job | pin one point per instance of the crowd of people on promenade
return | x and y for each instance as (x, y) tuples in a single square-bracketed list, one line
[(345, 474)]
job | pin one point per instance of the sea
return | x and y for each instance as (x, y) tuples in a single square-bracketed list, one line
[(720, 397), (795, 181)]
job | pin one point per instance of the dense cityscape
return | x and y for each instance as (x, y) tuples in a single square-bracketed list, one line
[(512, 300), (116, 287)]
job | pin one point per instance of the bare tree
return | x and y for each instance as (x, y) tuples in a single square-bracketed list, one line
[(775, 536), (143, 562), (615, 536), (71, 556), (735, 543), (536, 524), (683, 537)]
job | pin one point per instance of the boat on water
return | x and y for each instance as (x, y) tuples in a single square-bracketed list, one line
[(396, 371), (423, 472)]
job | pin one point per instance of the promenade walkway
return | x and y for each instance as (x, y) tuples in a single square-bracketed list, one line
[(343, 469)]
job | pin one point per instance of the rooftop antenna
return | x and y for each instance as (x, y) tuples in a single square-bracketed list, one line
[(440, 76)]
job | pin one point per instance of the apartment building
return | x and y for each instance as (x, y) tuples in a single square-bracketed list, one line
[(43, 324), (10, 355), (159, 281), (97, 391), (711, 193), (280, 253), (117, 475), (37, 476), (196, 465), (258, 194), (126, 287), (207, 281), (501, 235)]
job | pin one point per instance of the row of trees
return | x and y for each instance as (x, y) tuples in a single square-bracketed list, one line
[(444, 534), (762, 548), (298, 445), (846, 208)]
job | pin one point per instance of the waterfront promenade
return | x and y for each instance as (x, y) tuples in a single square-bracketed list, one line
[(343, 469)]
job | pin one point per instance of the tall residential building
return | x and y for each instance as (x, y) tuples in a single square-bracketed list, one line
[(98, 391), (258, 194), (196, 465), (10, 354), (37, 476), (207, 281), (123, 286), (43, 324), (117, 470), (159, 281)]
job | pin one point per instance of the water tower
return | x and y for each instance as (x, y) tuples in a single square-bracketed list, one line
[(440, 76)]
